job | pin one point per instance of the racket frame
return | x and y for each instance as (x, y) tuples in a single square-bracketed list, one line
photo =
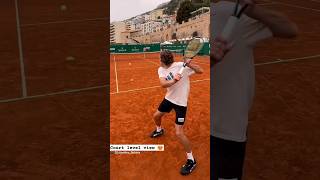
[(195, 53)]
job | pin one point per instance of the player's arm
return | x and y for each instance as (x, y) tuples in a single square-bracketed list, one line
[(167, 83), (197, 69), (278, 23)]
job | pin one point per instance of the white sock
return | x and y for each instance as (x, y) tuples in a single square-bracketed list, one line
[(190, 156), (159, 128)]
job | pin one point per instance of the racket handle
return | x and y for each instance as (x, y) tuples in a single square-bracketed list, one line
[(182, 68), (229, 28)]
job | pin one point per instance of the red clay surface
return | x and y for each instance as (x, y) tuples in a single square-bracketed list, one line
[(49, 11), (45, 57), (58, 136), (131, 122), (54, 138), (283, 137)]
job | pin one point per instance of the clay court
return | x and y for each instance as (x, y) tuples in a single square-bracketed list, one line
[(53, 114), (135, 94), (283, 137), (284, 123)]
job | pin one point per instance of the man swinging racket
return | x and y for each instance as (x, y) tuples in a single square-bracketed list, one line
[(175, 78), (232, 77)]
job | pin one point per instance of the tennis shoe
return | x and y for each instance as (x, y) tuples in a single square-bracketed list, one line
[(155, 133), (188, 167)]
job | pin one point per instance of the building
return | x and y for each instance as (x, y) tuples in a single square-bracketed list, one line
[(129, 25), (116, 28), (200, 11), (198, 25), (147, 17), (150, 26), (156, 14), (168, 19), (135, 33), (136, 22), (141, 28)]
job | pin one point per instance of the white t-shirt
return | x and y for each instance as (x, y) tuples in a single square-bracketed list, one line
[(232, 80), (179, 92)]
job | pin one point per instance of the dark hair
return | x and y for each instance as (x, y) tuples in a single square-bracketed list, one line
[(166, 57)]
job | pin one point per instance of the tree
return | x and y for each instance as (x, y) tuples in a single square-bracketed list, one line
[(184, 11), (171, 7), (201, 3)]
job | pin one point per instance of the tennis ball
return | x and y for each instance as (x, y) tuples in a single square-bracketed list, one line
[(129, 64), (131, 79), (70, 58), (63, 7)]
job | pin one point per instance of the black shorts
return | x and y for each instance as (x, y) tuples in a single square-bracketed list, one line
[(181, 111), (227, 158)]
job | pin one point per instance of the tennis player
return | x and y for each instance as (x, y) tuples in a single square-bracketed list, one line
[(233, 78), (176, 98)]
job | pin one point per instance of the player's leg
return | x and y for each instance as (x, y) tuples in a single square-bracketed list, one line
[(164, 107), (188, 167), (157, 116), (183, 138), (227, 159)]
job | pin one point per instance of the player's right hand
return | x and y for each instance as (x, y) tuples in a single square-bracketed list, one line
[(177, 77)]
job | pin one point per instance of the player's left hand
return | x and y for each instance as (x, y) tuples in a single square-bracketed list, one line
[(187, 61)]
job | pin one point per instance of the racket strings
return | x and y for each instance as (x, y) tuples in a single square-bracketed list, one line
[(193, 48)]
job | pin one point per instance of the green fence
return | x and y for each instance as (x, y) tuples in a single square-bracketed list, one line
[(179, 48), (137, 48), (142, 48)]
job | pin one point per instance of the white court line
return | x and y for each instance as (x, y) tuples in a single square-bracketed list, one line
[(288, 60), (22, 67), (62, 22), (115, 70), (103, 86), (300, 7), (152, 87), (54, 93), (257, 64), (154, 63), (131, 68), (266, 4)]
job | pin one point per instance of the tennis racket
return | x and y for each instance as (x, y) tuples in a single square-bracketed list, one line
[(192, 49), (232, 21)]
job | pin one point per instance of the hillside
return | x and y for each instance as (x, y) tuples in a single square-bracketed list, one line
[(173, 5)]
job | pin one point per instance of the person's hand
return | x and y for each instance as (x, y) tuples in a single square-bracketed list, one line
[(219, 49), (177, 77), (187, 61)]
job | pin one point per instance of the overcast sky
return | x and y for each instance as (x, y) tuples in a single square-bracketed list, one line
[(124, 9)]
